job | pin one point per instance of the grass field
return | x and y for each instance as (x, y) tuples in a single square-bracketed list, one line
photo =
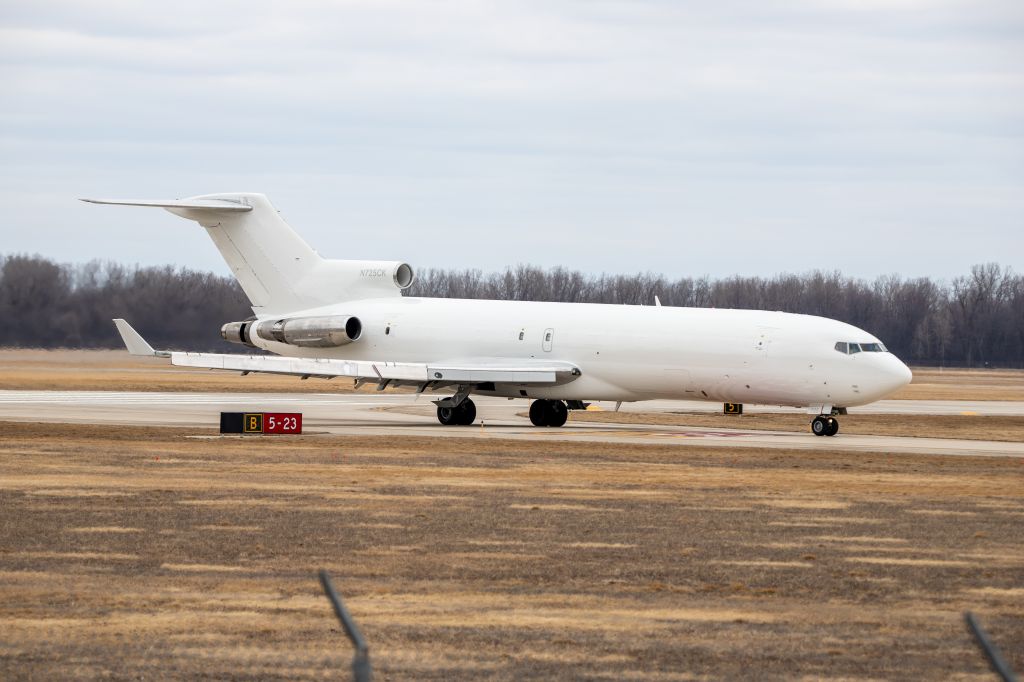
[(115, 370), (131, 553), (931, 383), (158, 552)]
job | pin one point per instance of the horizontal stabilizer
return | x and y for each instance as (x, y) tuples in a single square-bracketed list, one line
[(194, 204)]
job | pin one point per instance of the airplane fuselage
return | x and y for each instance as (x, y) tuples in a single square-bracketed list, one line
[(629, 353)]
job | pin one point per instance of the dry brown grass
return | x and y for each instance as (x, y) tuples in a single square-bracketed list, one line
[(931, 383), (132, 552), (110, 370), (969, 427)]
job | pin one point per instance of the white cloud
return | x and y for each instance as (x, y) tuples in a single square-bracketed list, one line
[(681, 137)]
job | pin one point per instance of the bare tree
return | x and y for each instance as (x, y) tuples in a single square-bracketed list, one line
[(976, 319)]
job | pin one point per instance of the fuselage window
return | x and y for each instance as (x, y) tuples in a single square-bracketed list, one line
[(547, 337), (872, 347), (521, 335), (841, 347), (854, 348)]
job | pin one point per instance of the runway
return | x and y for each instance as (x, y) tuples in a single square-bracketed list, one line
[(404, 414)]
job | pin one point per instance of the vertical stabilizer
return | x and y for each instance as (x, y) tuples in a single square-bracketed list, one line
[(278, 271), (265, 254), (267, 257)]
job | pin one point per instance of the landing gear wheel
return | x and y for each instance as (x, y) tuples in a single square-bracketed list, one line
[(539, 413), (833, 426), (467, 412), (819, 427), (548, 413), (558, 413), (463, 415)]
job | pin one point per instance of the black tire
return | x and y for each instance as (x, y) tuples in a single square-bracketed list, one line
[(819, 427), (539, 411), (466, 412), (558, 413), (448, 416), (833, 426)]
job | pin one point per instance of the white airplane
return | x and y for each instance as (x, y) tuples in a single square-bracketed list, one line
[(343, 318)]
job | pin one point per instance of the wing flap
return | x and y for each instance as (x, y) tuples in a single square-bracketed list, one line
[(320, 367), (476, 375), (413, 372)]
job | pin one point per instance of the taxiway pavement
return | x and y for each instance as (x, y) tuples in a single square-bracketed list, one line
[(404, 414)]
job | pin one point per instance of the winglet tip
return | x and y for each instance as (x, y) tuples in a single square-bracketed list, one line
[(133, 341)]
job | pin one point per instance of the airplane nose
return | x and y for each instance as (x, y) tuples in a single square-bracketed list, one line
[(897, 374), (906, 376)]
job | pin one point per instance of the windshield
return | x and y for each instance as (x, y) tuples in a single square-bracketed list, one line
[(849, 347)]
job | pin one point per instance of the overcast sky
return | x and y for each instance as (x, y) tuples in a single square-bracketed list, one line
[(878, 136)]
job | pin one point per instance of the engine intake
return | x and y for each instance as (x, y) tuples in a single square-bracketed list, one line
[(381, 273), (404, 276), (312, 332)]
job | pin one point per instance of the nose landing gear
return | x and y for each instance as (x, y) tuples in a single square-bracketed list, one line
[(548, 413), (824, 426)]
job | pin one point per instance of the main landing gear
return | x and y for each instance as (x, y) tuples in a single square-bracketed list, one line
[(824, 426), (548, 413), (463, 415)]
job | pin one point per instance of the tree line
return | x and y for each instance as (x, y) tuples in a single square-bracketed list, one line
[(976, 319), (44, 304)]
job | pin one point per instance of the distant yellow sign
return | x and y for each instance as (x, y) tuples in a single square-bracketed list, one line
[(733, 408), (253, 423)]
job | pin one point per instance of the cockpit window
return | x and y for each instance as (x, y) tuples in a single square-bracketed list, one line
[(849, 348)]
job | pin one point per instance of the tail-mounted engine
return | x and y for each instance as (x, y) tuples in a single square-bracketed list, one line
[(352, 279), (305, 332), (383, 274), (238, 332)]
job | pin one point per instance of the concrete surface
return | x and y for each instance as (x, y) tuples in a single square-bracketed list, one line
[(384, 413)]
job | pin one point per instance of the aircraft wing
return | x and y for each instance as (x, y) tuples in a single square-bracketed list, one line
[(383, 373)]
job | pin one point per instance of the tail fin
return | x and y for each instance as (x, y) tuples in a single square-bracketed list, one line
[(278, 271), (267, 257)]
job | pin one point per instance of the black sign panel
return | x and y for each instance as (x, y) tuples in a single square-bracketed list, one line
[(733, 408), (231, 422)]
